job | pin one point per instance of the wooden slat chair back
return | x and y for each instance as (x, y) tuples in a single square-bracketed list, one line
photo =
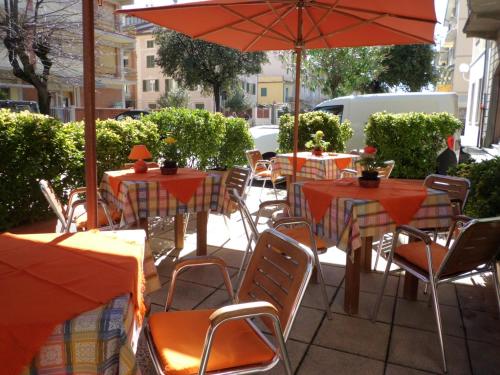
[(477, 244), (457, 188), (237, 179), (278, 273), (54, 202), (386, 170)]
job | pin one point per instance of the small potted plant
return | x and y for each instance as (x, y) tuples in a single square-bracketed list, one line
[(317, 144), (369, 162), (169, 164)]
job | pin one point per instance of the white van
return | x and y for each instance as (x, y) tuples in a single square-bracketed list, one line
[(357, 108)]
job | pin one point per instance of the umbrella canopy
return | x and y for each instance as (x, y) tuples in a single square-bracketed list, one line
[(262, 25)]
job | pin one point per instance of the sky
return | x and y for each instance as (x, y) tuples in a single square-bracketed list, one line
[(440, 6)]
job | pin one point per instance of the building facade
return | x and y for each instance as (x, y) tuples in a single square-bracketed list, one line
[(483, 115), (455, 51)]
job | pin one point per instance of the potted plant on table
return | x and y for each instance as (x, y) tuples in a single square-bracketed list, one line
[(317, 144), (369, 163), (169, 164)]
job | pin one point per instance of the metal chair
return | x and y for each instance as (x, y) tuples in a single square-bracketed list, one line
[(262, 170), (67, 215), (228, 340), (297, 228), (474, 252), (457, 188)]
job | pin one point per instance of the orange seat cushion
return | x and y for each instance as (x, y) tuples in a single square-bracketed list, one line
[(102, 220), (415, 253), (179, 336), (301, 234), (264, 174)]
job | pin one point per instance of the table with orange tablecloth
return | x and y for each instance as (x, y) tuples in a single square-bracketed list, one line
[(325, 167), (72, 303), (143, 195), (351, 216)]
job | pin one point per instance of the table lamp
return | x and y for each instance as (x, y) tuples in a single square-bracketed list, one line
[(140, 152)]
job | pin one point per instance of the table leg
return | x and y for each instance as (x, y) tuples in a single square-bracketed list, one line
[(366, 254), (352, 269), (201, 233), (179, 231), (143, 224), (410, 287)]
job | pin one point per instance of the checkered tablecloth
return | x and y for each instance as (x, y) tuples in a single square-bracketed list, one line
[(143, 199), (347, 220), (100, 342), (315, 167)]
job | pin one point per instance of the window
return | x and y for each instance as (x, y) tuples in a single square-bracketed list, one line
[(150, 61), (473, 93), (199, 106), (150, 85), (247, 88), (125, 63), (152, 105), (477, 117), (150, 43), (286, 94), (169, 84), (263, 91), (254, 87)]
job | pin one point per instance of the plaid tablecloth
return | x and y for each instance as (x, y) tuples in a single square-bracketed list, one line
[(101, 341), (143, 199), (315, 167), (347, 220)]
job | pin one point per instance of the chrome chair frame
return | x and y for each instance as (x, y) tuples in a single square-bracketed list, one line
[(66, 215), (267, 165), (435, 279), (242, 310)]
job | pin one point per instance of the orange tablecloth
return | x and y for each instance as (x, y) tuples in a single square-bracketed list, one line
[(182, 185), (300, 162), (46, 279), (401, 199)]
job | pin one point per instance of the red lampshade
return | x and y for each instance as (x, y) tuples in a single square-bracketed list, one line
[(139, 152)]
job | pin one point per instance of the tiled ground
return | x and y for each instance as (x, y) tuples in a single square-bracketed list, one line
[(402, 341)]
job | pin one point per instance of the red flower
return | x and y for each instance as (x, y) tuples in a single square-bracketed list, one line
[(370, 150)]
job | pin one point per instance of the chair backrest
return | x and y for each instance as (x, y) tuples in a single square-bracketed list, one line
[(478, 243), (237, 179), (386, 170), (457, 188), (278, 273), (253, 156), (246, 217), (54, 202)]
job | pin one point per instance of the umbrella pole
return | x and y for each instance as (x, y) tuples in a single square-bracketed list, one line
[(298, 62), (89, 103)]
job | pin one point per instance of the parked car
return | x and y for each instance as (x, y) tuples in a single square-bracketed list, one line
[(20, 105), (265, 137), (134, 114)]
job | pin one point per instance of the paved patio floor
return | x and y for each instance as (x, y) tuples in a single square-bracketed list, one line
[(402, 341)]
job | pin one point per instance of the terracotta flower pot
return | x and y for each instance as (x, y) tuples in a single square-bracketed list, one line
[(169, 167), (317, 152)]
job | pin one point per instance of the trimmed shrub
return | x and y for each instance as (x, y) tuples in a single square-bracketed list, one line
[(204, 139), (237, 139), (32, 147), (413, 140), (114, 140), (336, 134), (484, 196)]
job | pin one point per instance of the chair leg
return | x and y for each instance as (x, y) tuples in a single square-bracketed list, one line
[(381, 294), (379, 250), (437, 313), (497, 284), (226, 222), (274, 188), (322, 284), (262, 189), (244, 261)]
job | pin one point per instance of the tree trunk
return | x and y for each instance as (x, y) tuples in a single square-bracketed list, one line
[(43, 99), (217, 97)]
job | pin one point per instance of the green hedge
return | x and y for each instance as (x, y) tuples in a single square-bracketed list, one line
[(484, 197), (336, 134), (32, 147), (413, 140), (204, 140)]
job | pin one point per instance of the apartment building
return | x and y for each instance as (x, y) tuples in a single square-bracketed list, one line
[(482, 127), (455, 50), (115, 82)]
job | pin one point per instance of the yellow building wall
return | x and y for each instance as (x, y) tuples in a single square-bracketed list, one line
[(274, 93)]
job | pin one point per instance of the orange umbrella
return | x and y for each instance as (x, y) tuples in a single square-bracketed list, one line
[(262, 25)]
